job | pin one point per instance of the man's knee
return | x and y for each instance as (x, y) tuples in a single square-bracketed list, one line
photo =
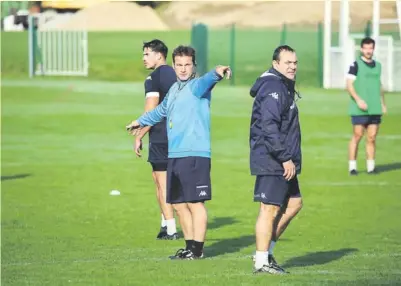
[(357, 136), (269, 211), (371, 138), (294, 207), (180, 208)]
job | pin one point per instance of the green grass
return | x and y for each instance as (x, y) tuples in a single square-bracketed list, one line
[(117, 56), (64, 148)]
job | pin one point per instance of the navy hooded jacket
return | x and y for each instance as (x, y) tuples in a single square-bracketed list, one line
[(275, 135)]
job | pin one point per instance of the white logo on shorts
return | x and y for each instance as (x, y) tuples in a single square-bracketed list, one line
[(203, 194), (262, 195)]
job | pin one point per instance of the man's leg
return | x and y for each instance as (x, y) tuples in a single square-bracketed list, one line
[(287, 212), (285, 216), (160, 178), (271, 193), (264, 232), (371, 133), (186, 222), (357, 135), (199, 222)]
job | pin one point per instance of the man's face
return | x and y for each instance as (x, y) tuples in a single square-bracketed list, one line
[(150, 58), (367, 51), (183, 67), (287, 64)]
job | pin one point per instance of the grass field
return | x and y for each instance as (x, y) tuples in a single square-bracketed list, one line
[(64, 148)]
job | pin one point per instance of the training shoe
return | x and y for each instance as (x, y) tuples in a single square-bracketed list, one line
[(174, 236), (273, 263), (185, 254), (162, 232), (373, 172), (269, 269), (353, 172)]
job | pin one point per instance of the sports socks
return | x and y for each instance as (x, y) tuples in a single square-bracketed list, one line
[(197, 248), (352, 165), (370, 165), (163, 222), (261, 259), (171, 227)]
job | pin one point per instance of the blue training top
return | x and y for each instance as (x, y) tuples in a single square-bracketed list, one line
[(187, 109)]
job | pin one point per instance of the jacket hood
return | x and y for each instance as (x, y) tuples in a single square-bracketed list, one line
[(268, 76)]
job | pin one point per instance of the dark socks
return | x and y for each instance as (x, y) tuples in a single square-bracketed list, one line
[(197, 248), (189, 244)]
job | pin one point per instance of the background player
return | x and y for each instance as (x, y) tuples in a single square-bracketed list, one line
[(366, 104), (157, 85)]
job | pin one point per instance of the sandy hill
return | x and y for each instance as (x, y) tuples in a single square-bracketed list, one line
[(111, 16), (265, 14)]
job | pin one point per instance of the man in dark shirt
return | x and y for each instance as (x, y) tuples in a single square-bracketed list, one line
[(157, 84), (275, 155)]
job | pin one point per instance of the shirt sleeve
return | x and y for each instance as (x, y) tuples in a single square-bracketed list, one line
[(152, 85), (205, 83), (353, 71)]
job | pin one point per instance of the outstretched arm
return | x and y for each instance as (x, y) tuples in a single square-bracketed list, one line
[(149, 118), (206, 82)]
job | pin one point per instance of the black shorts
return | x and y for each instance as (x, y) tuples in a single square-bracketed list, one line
[(159, 166), (188, 180), (366, 120), (158, 156), (275, 190)]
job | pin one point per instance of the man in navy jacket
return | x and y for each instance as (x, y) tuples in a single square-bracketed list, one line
[(275, 156)]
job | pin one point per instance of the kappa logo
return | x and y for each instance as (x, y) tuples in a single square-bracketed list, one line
[(293, 105), (202, 193), (274, 95), (263, 196)]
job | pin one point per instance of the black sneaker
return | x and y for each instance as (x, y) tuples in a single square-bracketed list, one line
[(353, 172), (373, 172), (174, 236), (162, 232), (185, 254), (273, 263), (268, 269)]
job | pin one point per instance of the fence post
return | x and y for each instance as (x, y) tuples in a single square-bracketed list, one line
[(199, 41), (232, 54), (320, 53), (368, 29), (283, 38)]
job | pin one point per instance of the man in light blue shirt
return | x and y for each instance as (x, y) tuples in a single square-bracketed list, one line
[(187, 110)]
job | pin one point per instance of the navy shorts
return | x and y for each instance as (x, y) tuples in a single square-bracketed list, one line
[(188, 180), (275, 190), (158, 156), (159, 166), (366, 120)]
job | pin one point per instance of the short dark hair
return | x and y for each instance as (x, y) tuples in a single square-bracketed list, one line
[(156, 46), (367, 41), (279, 49), (185, 51)]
